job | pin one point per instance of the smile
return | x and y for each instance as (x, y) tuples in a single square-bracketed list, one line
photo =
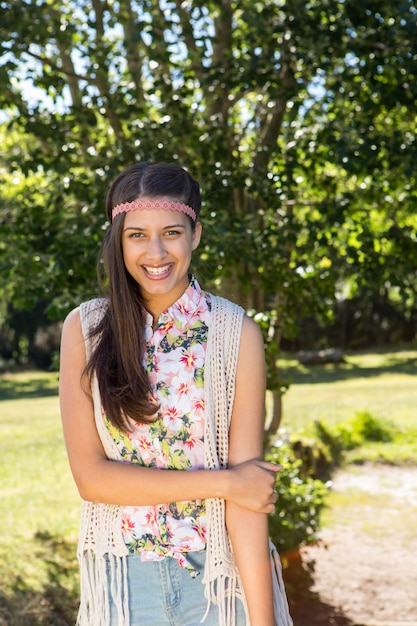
[(157, 271)]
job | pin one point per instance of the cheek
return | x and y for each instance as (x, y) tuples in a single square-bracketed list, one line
[(128, 254), (186, 251)]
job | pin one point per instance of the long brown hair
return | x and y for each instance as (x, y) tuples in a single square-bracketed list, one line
[(117, 359)]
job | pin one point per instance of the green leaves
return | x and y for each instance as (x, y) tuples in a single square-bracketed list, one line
[(298, 119)]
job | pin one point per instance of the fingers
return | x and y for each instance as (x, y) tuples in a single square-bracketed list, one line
[(269, 466), (253, 485), (272, 468), (273, 501)]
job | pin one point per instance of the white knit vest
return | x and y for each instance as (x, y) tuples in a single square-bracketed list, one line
[(100, 532)]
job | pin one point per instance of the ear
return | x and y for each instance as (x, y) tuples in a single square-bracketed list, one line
[(196, 236)]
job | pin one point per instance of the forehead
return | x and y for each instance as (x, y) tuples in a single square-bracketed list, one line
[(155, 219)]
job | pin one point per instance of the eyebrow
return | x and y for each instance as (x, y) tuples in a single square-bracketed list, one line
[(163, 228)]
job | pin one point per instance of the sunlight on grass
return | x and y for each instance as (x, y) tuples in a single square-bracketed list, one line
[(34, 467), (28, 384), (39, 515), (402, 450), (382, 383), (390, 396)]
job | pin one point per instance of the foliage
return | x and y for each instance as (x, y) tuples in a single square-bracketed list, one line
[(296, 520), (363, 427), (307, 466), (299, 119), (323, 446)]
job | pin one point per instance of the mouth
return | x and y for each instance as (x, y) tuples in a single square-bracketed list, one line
[(157, 272)]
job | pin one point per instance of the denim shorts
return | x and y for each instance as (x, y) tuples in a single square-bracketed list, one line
[(162, 593)]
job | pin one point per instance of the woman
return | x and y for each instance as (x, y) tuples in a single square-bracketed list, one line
[(162, 391)]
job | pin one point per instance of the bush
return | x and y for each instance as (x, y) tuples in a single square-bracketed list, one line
[(307, 463), (363, 427), (296, 519), (370, 428), (323, 447)]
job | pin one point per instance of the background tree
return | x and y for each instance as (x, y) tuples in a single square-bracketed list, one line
[(299, 119)]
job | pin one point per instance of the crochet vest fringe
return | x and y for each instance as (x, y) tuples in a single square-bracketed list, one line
[(100, 531)]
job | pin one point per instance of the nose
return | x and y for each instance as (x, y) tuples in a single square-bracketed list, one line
[(155, 249)]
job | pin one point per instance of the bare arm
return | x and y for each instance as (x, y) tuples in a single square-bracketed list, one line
[(248, 529), (100, 480)]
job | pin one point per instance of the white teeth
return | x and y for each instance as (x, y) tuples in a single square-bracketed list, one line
[(155, 271)]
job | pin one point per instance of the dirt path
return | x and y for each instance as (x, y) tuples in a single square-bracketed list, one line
[(364, 570)]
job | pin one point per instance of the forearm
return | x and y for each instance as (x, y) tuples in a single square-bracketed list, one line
[(248, 532), (128, 484), (100, 480)]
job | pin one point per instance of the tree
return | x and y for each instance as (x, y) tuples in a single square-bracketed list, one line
[(299, 119)]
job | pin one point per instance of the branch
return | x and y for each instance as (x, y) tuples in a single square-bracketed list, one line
[(272, 121), (69, 71), (54, 66), (99, 7), (160, 23), (127, 19), (219, 98), (189, 39), (98, 81)]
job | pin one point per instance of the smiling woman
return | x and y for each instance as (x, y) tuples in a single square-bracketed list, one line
[(161, 378), (157, 248)]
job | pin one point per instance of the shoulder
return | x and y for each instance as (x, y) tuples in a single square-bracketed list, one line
[(72, 339), (251, 331), (85, 316), (251, 351), (72, 322), (92, 313), (96, 305)]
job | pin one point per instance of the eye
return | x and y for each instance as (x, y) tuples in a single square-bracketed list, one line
[(172, 233), (136, 235)]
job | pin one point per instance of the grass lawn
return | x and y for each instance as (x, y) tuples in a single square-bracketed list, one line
[(39, 512), (382, 383)]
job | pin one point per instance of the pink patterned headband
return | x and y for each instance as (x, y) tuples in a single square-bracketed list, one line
[(154, 205)]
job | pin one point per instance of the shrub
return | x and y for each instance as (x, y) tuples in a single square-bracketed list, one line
[(296, 519), (370, 428), (355, 432), (307, 463)]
